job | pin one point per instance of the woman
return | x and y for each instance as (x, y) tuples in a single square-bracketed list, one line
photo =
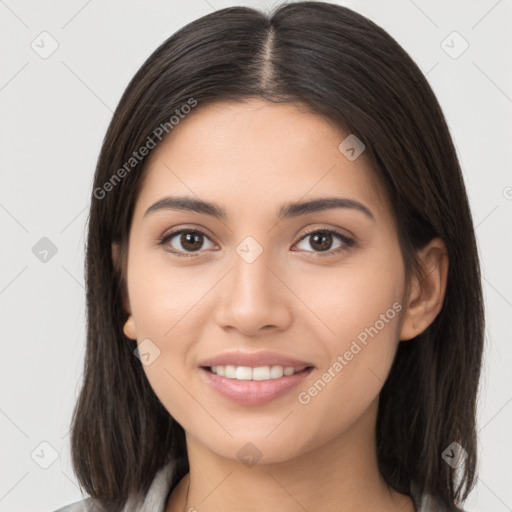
[(283, 289)]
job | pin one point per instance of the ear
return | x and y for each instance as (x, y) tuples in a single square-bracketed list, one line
[(119, 262), (427, 294)]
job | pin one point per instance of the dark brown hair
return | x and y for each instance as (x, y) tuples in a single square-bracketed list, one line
[(342, 66)]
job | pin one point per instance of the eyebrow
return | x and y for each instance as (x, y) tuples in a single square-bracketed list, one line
[(287, 211)]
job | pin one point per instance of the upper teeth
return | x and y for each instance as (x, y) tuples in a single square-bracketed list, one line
[(258, 373)]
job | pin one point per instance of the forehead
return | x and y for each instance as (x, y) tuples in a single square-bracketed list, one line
[(255, 156)]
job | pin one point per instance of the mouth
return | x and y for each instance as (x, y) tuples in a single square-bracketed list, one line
[(255, 373), (259, 385)]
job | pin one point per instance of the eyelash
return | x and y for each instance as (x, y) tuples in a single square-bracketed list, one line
[(348, 242)]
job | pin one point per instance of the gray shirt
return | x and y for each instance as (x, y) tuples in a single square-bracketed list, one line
[(167, 478)]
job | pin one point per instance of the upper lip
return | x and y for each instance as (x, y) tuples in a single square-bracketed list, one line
[(254, 359)]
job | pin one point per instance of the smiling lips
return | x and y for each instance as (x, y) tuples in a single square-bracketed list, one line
[(254, 378)]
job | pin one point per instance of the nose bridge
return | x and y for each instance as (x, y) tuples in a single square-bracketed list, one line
[(252, 280), (251, 269), (254, 297)]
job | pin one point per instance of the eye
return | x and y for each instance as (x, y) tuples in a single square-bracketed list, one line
[(322, 239), (190, 240)]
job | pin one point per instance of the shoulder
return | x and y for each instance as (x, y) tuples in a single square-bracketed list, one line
[(163, 483), (86, 505)]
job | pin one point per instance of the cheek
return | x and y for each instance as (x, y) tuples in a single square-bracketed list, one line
[(163, 297), (361, 307), (168, 307), (350, 299)]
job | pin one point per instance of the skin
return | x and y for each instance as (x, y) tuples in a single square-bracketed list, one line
[(250, 159)]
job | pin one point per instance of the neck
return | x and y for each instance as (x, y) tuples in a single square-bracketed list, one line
[(340, 475)]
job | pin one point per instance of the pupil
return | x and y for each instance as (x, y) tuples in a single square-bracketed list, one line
[(326, 243), (188, 239)]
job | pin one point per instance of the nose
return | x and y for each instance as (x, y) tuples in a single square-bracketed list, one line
[(253, 297)]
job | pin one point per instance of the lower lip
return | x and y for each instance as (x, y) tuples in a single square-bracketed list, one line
[(254, 392)]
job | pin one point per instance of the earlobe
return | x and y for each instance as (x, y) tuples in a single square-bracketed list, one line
[(129, 328), (427, 293)]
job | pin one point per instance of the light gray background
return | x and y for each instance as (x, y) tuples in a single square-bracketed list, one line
[(54, 114)]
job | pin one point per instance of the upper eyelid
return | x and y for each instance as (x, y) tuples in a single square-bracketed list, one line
[(337, 231)]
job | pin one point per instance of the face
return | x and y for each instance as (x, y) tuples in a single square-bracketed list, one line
[(322, 286)]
